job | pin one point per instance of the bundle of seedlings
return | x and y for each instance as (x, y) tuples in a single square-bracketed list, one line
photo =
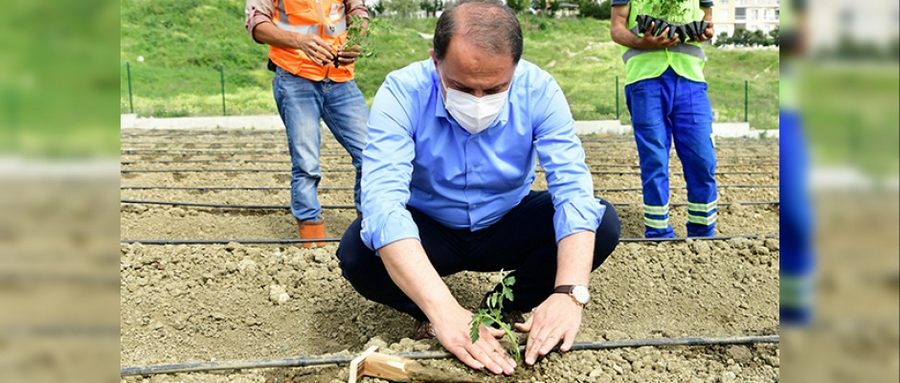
[(357, 31), (673, 15)]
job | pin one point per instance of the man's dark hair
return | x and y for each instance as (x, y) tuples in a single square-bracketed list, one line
[(488, 24)]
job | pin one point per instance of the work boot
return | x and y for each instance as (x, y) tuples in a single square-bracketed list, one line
[(423, 330), (312, 230)]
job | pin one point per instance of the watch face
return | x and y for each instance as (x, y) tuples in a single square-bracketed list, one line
[(581, 294)]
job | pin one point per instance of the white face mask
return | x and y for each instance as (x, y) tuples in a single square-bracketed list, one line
[(474, 114)]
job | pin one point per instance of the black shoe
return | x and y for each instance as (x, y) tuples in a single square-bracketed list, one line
[(423, 330)]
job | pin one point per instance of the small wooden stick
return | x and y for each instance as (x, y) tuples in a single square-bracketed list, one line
[(356, 365), (397, 369)]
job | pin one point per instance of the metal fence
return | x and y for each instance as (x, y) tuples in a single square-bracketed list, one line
[(606, 98)]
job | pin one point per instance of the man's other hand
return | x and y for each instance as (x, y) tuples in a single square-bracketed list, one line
[(558, 318), (349, 55), (707, 34)]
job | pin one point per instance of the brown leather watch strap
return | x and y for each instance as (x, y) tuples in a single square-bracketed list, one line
[(564, 289)]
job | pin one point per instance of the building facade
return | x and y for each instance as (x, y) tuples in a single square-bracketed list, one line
[(751, 15)]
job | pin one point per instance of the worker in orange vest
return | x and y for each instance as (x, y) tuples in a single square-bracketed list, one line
[(313, 81)]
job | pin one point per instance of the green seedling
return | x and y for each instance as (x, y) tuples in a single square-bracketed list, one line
[(492, 315), (356, 36), (670, 10)]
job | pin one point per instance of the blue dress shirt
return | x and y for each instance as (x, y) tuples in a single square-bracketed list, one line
[(417, 155)]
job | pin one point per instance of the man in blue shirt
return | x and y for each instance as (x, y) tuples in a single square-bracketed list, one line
[(446, 187)]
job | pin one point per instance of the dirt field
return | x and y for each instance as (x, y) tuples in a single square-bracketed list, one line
[(224, 302)]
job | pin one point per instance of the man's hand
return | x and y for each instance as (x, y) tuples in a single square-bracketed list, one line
[(708, 33), (649, 41), (452, 330), (349, 55), (559, 317), (314, 47)]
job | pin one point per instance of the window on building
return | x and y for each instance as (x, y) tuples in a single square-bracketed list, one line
[(740, 13)]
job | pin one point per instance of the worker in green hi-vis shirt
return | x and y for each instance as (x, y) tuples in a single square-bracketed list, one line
[(666, 95)]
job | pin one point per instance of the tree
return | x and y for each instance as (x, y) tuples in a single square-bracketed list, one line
[(402, 8), (554, 6), (722, 39), (758, 38), (377, 9), (774, 35), (591, 8), (518, 5), (431, 7)]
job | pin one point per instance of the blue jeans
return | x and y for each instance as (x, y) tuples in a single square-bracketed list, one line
[(662, 109), (301, 103)]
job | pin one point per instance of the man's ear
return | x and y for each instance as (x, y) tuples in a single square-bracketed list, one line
[(433, 59)]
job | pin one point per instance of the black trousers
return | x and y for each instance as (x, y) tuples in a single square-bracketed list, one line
[(523, 240)]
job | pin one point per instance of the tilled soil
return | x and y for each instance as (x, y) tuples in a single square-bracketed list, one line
[(225, 302), (345, 196), (164, 222)]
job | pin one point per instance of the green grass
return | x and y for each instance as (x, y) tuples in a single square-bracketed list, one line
[(183, 42), (851, 117), (58, 79)]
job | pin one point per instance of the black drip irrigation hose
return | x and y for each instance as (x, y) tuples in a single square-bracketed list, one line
[(350, 206), (343, 359), (720, 160), (222, 188), (289, 241), (227, 206), (257, 151), (348, 188), (351, 170), (283, 162), (280, 144)]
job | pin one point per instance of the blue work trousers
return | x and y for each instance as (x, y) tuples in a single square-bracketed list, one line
[(662, 109)]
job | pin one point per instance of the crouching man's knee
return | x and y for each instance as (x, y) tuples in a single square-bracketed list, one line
[(607, 235)]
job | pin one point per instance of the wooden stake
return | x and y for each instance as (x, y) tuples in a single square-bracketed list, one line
[(397, 369)]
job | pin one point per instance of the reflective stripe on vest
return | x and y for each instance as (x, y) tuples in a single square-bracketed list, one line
[(688, 49), (283, 23), (338, 16)]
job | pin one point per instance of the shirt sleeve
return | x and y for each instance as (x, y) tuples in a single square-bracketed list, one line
[(387, 169), (562, 157), (257, 12), (356, 8)]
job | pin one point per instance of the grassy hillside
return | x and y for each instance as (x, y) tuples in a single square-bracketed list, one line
[(183, 42)]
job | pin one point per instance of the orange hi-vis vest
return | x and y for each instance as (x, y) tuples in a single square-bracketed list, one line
[(325, 18)]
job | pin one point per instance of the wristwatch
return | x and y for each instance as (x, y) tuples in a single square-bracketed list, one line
[(578, 292)]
